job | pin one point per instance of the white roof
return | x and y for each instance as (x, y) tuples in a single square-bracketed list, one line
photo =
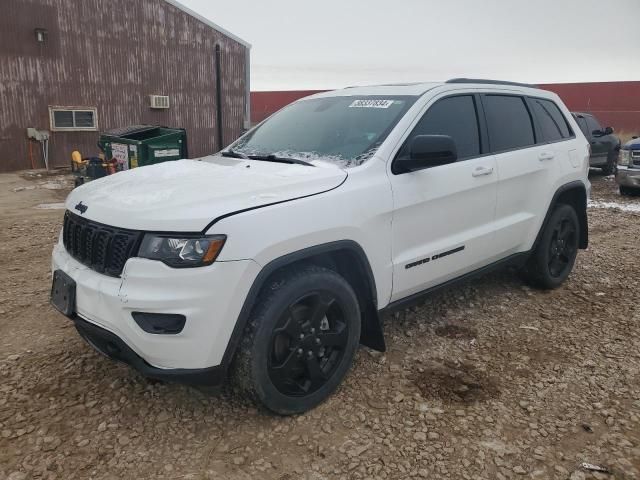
[(207, 22)]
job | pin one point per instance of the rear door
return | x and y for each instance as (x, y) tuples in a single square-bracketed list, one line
[(443, 216), (525, 170)]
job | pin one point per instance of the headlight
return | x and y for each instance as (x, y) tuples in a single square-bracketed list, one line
[(623, 159), (179, 252)]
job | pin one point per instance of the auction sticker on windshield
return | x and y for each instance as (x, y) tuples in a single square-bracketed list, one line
[(371, 104)]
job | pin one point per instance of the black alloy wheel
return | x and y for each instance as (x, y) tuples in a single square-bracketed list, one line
[(555, 252), (300, 341), (562, 247), (307, 344)]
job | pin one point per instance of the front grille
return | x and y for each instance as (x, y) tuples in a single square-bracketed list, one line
[(102, 248), (635, 157)]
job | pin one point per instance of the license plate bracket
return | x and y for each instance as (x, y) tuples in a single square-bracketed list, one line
[(63, 293)]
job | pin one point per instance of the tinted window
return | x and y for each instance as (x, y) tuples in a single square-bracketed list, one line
[(453, 116), (508, 121), (552, 123), (63, 119), (592, 123), (582, 123)]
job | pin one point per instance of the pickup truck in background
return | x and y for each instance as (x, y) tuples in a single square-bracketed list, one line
[(628, 172), (605, 146)]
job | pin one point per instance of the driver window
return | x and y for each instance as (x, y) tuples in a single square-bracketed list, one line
[(453, 116), (592, 123)]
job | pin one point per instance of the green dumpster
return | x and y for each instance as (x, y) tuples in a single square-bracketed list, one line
[(139, 145)]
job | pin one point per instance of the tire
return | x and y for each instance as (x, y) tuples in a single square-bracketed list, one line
[(610, 167), (300, 341), (628, 190), (554, 256)]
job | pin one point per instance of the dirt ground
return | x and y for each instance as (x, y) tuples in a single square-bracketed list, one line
[(490, 380)]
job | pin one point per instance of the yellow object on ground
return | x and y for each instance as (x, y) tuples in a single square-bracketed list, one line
[(76, 157)]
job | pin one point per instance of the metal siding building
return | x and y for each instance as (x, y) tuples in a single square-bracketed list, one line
[(615, 104), (264, 104), (112, 56)]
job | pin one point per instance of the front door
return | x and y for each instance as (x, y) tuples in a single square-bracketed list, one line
[(599, 142), (443, 216)]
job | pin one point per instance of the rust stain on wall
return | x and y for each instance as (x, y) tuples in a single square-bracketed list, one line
[(112, 56)]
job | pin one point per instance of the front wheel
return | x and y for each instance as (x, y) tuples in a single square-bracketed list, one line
[(302, 336), (610, 167), (554, 256)]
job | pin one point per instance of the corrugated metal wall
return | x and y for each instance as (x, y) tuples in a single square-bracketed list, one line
[(264, 104), (113, 55), (616, 104)]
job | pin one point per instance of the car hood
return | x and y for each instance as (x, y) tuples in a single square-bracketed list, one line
[(633, 144), (187, 195)]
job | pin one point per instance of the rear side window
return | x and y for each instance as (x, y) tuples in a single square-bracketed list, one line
[(508, 121), (453, 116), (553, 125)]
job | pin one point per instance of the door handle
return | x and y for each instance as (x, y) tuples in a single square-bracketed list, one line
[(545, 156), (480, 171)]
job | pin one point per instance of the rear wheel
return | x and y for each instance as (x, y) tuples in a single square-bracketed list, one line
[(554, 256), (303, 334), (627, 190)]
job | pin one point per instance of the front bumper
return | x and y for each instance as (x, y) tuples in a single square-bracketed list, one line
[(209, 297), (628, 177), (114, 347), (598, 162)]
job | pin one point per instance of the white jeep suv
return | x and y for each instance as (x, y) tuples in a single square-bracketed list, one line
[(272, 260)]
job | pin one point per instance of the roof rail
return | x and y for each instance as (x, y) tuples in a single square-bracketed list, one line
[(491, 82)]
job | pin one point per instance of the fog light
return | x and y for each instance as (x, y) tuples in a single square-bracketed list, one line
[(160, 323)]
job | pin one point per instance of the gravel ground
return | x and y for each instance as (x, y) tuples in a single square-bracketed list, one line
[(490, 380)]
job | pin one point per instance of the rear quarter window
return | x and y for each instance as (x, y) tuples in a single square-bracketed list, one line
[(508, 121), (553, 124)]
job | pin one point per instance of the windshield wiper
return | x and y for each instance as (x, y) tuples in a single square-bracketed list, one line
[(273, 158), (233, 154)]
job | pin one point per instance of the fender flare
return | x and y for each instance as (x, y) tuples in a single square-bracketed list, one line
[(371, 335), (582, 215)]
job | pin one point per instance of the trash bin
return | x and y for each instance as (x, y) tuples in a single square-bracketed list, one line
[(139, 145)]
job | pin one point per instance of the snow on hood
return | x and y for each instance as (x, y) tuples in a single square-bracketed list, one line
[(186, 195)]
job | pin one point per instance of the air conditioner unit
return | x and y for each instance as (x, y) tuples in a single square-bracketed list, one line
[(159, 101)]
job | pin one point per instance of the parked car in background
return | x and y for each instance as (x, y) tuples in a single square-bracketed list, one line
[(628, 173), (273, 260), (604, 144)]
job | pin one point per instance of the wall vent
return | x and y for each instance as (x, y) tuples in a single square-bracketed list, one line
[(159, 101)]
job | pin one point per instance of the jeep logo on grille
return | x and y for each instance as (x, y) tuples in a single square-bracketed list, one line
[(81, 207)]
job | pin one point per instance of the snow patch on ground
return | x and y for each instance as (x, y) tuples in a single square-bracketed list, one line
[(625, 207), (50, 206)]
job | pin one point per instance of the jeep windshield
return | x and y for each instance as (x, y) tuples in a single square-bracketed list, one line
[(344, 130)]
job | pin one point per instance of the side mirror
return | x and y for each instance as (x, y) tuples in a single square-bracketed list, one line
[(597, 133), (426, 151), (608, 131)]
